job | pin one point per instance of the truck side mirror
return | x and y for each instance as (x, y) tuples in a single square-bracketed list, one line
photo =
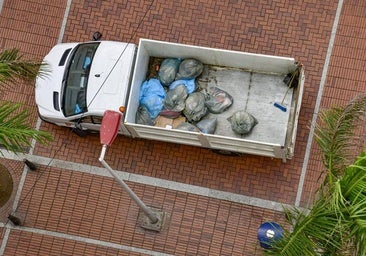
[(97, 36)]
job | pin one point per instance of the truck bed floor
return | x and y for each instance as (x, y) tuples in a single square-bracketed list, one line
[(256, 93)]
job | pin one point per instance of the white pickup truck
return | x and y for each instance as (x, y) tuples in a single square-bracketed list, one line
[(86, 79)]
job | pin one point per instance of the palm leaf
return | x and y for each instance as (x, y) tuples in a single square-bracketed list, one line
[(312, 232), (336, 223), (333, 134), (13, 67), (15, 131), (353, 184)]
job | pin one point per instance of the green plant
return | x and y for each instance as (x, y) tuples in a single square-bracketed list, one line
[(15, 129), (336, 222)]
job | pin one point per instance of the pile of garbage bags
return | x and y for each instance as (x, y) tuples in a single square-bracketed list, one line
[(174, 93)]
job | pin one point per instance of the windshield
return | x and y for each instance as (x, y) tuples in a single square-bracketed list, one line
[(76, 79)]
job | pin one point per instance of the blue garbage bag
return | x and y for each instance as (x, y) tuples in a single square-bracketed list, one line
[(152, 96), (190, 84)]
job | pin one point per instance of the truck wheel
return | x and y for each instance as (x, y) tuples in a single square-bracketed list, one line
[(226, 152), (79, 132)]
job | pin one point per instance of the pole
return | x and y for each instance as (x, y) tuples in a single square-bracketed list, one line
[(152, 216)]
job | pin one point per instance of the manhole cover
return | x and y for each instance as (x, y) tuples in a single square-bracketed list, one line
[(6, 185)]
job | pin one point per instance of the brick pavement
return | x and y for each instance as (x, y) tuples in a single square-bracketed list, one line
[(345, 77), (84, 205), (275, 32), (89, 206)]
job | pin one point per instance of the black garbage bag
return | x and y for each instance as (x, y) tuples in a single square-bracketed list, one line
[(207, 125), (189, 69), (218, 100), (195, 107), (175, 98), (188, 127), (168, 70), (242, 122), (143, 116)]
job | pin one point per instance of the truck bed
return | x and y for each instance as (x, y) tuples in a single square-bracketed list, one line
[(255, 82), (255, 93)]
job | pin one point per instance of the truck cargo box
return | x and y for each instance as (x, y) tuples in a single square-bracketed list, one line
[(255, 82)]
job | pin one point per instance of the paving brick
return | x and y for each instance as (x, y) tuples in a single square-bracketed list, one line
[(94, 207), (344, 81)]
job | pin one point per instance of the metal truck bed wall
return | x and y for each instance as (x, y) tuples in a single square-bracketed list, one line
[(255, 81)]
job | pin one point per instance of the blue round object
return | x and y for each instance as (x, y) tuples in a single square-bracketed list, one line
[(269, 232)]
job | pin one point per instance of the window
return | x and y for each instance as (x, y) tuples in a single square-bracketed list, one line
[(64, 56), (76, 79)]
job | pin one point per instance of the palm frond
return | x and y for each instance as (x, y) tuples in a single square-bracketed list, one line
[(336, 223), (313, 231), (15, 131), (13, 67), (353, 184), (333, 134)]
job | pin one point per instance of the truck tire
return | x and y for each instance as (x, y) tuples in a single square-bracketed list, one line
[(226, 152), (79, 132)]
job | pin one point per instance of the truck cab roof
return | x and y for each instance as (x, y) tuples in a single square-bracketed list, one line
[(84, 77)]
